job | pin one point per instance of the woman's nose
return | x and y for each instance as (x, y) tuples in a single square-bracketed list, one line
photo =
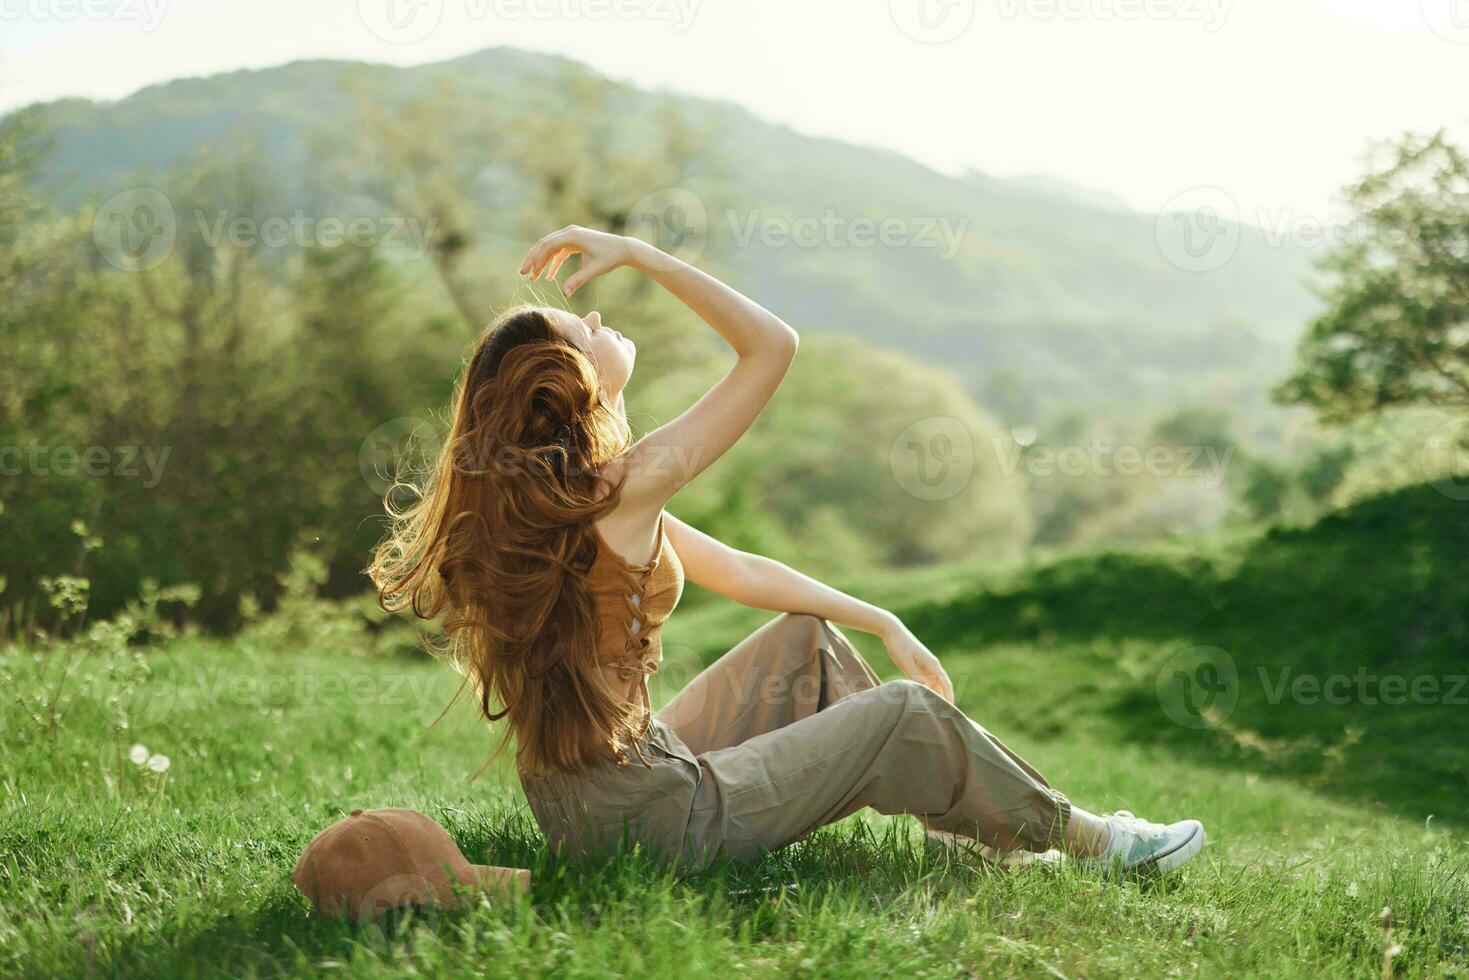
[(594, 319)]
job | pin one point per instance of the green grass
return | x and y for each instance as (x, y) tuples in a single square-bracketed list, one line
[(103, 871)]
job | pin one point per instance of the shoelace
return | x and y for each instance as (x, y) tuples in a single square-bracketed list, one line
[(1144, 830)]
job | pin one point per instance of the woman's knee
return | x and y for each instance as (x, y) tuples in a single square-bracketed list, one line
[(811, 645), (894, 699), (921, 706), (797, 636), (913, 693), (803, 625)]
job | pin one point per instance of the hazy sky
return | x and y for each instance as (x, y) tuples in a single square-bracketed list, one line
[(1273, 101)]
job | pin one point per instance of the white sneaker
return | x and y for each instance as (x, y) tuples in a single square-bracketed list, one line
[(1139, 845)]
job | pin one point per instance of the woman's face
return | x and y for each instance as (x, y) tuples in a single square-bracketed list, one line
[(610, 352)]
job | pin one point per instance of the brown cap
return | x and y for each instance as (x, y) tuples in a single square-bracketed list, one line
[(376, 860)]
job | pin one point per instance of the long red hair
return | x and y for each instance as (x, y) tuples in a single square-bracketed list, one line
[(497, 543)]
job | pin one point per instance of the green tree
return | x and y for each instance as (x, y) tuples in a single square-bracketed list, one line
[(193, 418), (831, 470), (1266, 490), (1396, 329), (1205, 428)]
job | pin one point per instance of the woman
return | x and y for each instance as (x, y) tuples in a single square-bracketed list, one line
[(542, 540)]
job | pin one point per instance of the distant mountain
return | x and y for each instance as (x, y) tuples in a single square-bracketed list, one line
[(1035, 292), (1053, 187)]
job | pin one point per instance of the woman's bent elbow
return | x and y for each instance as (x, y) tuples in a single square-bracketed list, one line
[(791, 340)]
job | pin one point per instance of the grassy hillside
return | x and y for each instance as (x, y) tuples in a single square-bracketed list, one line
[(1318, 816), (1337, 650), (1341, 646), (1031, 280)]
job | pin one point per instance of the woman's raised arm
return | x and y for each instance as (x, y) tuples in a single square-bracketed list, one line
[(673, 454)]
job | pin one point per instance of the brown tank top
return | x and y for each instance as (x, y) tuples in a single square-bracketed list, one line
[(633, 602)]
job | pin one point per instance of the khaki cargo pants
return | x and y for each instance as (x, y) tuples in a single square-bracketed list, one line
[(787, 732)]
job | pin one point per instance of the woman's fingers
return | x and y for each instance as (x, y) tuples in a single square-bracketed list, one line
[(948, 686), (938, 679), (541, 252), (554, 266), (937, 683), (599, 253), (532, 258), (543, 265)]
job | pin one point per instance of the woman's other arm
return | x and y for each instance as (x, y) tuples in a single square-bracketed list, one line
[(754, 580)]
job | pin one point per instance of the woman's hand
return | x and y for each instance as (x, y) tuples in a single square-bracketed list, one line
[(600, 252), (915, 660)]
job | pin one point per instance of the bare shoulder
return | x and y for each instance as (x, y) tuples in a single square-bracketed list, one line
[(631, 528)]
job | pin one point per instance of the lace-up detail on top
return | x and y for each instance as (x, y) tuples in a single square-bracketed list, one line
[(633, 602)]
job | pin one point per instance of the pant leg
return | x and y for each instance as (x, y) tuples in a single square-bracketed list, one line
[(898, 748), (791, 668)]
